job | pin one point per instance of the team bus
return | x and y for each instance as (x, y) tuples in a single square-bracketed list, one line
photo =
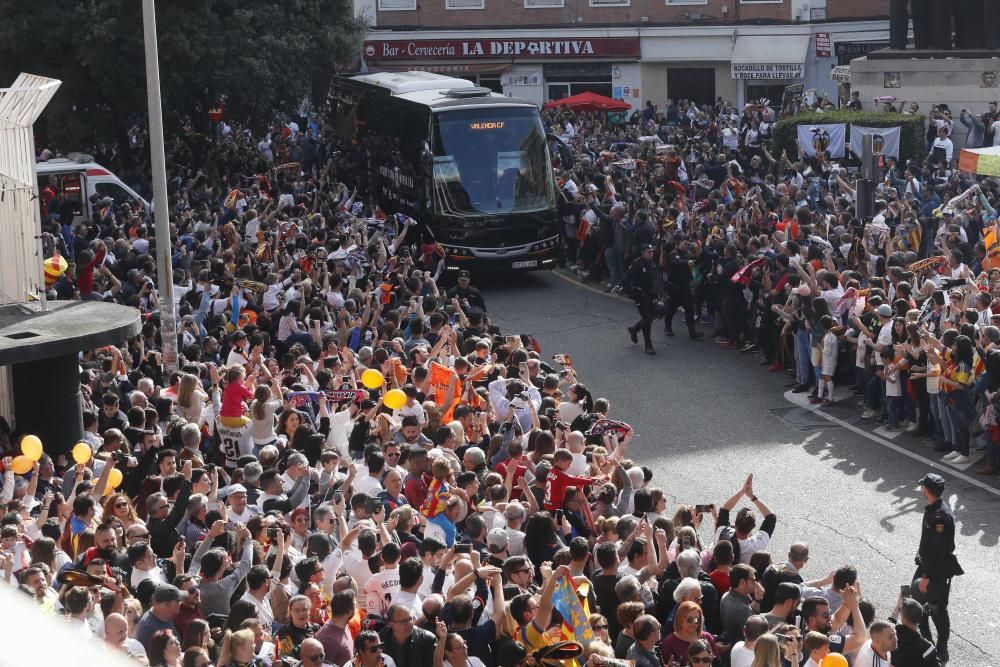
[(470, 166)]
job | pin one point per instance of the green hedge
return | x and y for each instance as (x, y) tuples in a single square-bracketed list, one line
[(912, 145)]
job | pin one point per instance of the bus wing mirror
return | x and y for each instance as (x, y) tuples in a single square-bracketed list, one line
[(565, 154)]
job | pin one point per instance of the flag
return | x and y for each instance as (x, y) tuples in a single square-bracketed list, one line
[(830, 138), (885, 140), (742, 276), (576, 621), (602, 426)]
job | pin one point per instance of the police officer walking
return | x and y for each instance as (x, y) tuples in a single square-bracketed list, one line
[(645, 285), (936, 562), (679, 277)]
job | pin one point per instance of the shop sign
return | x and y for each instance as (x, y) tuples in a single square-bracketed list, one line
[(594, 47), (767, 71), (824, 45)]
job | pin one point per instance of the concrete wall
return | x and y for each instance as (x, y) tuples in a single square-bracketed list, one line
[(956, 82)]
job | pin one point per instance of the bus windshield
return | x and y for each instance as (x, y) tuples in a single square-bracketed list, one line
[(489, 161)]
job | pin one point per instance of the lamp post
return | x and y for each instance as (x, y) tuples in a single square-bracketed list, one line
[(161, 211)]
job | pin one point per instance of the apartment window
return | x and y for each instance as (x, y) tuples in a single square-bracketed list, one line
[(687, 2), (465, 4), (543, 4), (761, 2), (397, 5), (610, 3)]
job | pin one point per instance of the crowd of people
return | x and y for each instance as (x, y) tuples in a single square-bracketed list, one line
[(355, 465)]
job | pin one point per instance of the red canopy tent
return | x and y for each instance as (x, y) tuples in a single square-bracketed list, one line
[(589, 102)]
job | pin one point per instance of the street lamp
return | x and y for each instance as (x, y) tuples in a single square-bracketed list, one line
[(161, 211)]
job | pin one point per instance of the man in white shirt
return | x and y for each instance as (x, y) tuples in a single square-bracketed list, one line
[(942, 144), (259, 589), (876, 651), (411, 576), (742, 653), (239, 511)]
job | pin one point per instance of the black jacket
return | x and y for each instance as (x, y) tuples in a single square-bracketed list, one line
[(913, 650), (418, 651), (163, 533), (936, 555)]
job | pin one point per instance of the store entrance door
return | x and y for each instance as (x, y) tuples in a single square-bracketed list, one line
[(691, 83)]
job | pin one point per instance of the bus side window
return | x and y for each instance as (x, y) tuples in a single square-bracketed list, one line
[(115, 191)]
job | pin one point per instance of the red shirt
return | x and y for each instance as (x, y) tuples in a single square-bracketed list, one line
[(555, 487), (501, 468), (721, 581), (415, 490)]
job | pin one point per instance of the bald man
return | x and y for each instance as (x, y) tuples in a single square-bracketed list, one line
[(311, 652), (116, 634)]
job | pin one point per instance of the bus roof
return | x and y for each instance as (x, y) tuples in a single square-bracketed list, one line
[(433, 90)]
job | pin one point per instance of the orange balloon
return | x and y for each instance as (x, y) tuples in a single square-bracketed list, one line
[(22, 465), (834, 660)]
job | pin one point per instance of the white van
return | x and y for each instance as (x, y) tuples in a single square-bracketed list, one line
[(79, 177)]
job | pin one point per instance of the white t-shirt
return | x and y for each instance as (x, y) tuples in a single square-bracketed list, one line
[(749, 546), (380, 589), (740, 656), (892, 384), (884, 339), (867, 657)]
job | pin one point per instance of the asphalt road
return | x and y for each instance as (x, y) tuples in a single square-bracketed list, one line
[(705, 417)]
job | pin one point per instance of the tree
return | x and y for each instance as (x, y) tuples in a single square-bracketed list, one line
[(259, 56)]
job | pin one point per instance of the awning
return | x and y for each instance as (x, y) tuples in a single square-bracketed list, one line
[(982, 161), (770, 57), (687, 49), (451, 68)]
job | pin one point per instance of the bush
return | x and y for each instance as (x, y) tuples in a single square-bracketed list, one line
[(912, 145)]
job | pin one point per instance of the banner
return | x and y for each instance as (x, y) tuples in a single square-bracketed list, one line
[(576, 626), (828, 138), (301, 398), (886, 140), (602, 426)]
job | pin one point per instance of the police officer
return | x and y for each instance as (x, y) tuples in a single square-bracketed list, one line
[(645, 285), (936, 562), (912, 649), (679, 263)]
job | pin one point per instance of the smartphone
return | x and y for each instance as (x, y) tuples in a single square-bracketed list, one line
[(463, 548), (231, 526), (904, 590), (372, 505), (700, 509), (272, 533), (686, 542), (338, 497), (523, 366)]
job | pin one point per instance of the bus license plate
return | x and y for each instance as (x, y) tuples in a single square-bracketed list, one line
[(529, 264)]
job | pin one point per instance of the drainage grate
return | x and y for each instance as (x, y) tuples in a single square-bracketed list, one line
[(803, 419), (21, 335)]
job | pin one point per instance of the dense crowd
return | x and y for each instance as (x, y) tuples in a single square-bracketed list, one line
[(356, 466)]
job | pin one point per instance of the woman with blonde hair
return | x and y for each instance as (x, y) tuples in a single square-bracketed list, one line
[(766, 652), (190, 398), (120, 506), (237, 649)]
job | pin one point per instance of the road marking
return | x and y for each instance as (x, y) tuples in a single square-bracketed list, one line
[(945, 468)]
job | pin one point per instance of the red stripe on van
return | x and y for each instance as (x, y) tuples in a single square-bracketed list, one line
[(98, 172)]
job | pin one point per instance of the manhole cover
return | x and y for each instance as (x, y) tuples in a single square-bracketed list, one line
[(803, 419)]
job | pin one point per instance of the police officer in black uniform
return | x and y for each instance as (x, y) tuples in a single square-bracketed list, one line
[(679, 263), (645, 285), (912, 649), (936, 562)]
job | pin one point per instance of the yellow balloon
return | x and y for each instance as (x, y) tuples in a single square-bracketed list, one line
[(82, 452), (31, 447), (21, 465), (372, 379), (394, 399), (115, 478)]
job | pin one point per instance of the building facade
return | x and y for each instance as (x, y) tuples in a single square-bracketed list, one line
[(636, 50)]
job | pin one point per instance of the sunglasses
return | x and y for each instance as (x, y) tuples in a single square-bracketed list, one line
[(140, 536), (705, 660), (602, 626), (318, 657), (121, 504), (374, 648), (693, 619)]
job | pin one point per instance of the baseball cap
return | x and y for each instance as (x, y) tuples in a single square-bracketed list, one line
[(239, 334), (464, 274), (497, 540), (885, 310), (236, 488), (934, 482), (648, 246), (168, 593)]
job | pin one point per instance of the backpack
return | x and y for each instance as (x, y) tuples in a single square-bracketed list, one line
[(729, 535)]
